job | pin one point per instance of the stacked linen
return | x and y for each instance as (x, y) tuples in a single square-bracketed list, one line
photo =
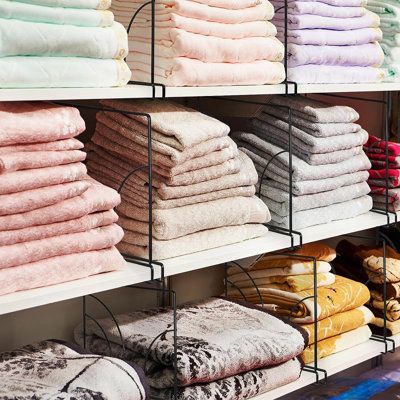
[(375, 149), (333, 41), (203, 43), (203, 187), (56, 224), (329, 167), (211, 362), (366, 263), (284, 283), (64, 370), (61, 44)]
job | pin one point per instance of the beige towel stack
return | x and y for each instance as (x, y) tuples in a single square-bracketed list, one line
[(203, 186)]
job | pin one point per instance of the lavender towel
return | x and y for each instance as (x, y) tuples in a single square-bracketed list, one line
[(338, 3)]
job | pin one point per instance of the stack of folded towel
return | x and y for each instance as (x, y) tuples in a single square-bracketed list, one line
[(203, 187), (331, 41), (329, 167), (203, 43), (285, 284), (211, 361), (389, 12), (375, 149), (56, 224), (64, 43), (366, 263)]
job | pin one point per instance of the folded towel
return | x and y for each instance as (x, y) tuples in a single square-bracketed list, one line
[(392, 328), (338, 3), (49, 72), (65, 268), (20, 38), (392, 306), (362, 55), (379, 196), (319, 8), (94, 4), (378, 145), (81, 224), (392, 290), (377, 177), (97, 198), (58, 145), (251, 328), (392, 54), (19, 181), (69, 370), (379, 161), (55, 15), (335, 74), (227, 4), (199, 241)]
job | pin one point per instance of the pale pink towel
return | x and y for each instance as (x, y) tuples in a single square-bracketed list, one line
[(97, 198), (59, 145), (19, 181), (60, 269), (81, 224), (38, 159), (37, 198), (23, 122), (27, 252)]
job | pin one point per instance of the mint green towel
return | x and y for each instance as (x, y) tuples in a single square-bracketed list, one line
[(51, 72), (20, 38), (55, 15), (93, 4)]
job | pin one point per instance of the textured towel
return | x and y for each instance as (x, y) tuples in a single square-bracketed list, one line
[(52, 271), (392, 306), (59, 145), (64, 370), (199, 241), (392, 328), (379, 161), (338, 3), (378, 145), (49, 72), (377, 179), (94, 4), (319, 8)]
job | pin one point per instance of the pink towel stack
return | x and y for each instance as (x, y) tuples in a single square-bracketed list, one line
[(56, 224), (204, 43)]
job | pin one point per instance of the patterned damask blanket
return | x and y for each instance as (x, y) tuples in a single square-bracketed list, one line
[(226, 350), (53, 370)]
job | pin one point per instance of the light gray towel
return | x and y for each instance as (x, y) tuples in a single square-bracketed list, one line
[(277, 200), (324, 215)]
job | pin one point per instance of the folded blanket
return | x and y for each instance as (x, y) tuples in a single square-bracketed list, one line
[(28, 252), (94, 4), (55, 15), (377, 177), (378, 145), (181, 221), (319, 8), (37, 198), (343, 295), (204, 355), (295, 283), (277, 200), (187, 72), (69, 372), (97, 198), (392, 290), (335, 74), (338, 3), (19, 181), (392, 306), (54, 270), (338, 343), (363, 55), (199, 241), (392, 54), (324, 215), (326, 37), (379, 161), (59, 145), (212, 49), (392, 328), (48, 72), (392, 73), (379, 196)]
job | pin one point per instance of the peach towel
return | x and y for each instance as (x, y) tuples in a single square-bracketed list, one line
[(59, 145)]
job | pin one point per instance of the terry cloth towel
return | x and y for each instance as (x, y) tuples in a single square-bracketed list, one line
[(392, 328), (371, 258), (211, 49), (336, 344), (188, 72), (181, 221), (28, 252), (335, 74), (378, 145), (379, 196), (393, 306), (65, 370), (339, 3), (91, 4), (195, 242), (21, 38), (59, 269), (277, 200), (250, 327), (33, 122), (50, 72), (59, 145), (341, 296), (362, 55), (324, 215), (97, 198), (379, 160), (392, 290), (55, 15), (294, 283), (19, 181)]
